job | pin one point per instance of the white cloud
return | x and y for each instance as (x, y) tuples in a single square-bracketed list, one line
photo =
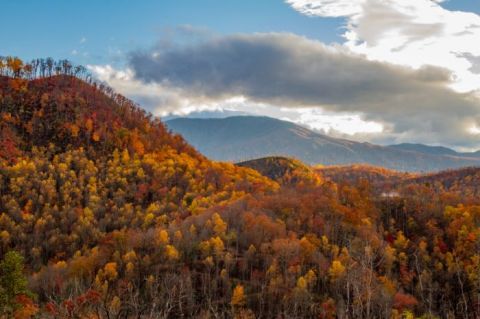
[(327, 8), (331, 123), (408, 32), (152, 97)]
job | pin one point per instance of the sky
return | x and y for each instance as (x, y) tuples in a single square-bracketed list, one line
[(382, 71)]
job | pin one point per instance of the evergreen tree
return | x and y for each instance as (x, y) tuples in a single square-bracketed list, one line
[(13, 283)]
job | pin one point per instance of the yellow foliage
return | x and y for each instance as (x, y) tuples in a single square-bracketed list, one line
[(110, 270), (171, 252), (217, 244), (115, 304), (125, 156), (408, 315), (401, 242), (301, 283), (311, 277), (89, 125), (219, 226), (388, 285), (148, 219), (238, 297), (336, 270), (389, 257), (61, 265), (130, 268), (130, 256), (209, 261), (4, 236), (96, 136), (162, 237)]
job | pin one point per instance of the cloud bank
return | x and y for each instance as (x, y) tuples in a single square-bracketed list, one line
[(408, 32), (294, 72)]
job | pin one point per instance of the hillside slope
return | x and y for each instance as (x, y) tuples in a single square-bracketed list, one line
[(284, 170), (354, 174), (241, 138), (105, 214)]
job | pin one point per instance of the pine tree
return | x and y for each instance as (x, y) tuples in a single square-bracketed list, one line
[(13, 283)]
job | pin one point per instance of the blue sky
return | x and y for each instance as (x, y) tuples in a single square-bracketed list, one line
[(463, 5), (100, 31)]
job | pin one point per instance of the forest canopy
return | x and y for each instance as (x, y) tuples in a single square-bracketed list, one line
[(106, 214)]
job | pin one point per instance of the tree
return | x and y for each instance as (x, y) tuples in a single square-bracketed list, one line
[(238, 297), (13, 284)]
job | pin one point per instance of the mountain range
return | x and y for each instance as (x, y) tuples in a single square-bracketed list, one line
[(240, 138)]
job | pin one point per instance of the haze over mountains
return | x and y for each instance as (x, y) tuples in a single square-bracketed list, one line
[(240, 138)]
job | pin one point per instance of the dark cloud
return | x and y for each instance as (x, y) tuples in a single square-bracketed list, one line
[(288, 70)]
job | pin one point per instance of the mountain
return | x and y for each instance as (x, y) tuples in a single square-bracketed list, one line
[(425, 149), (206, 115), (240, 138), (433, 150)]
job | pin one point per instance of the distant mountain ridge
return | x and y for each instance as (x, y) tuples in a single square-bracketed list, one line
[(433, 150), (240, 138), (206, 115)]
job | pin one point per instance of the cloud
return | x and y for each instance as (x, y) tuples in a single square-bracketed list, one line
[(475, 62), (281, 68), (407, 32), (286, 70), (153, 97)]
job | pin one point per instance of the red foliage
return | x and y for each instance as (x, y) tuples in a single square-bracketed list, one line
[(51, 308), (403, 301)]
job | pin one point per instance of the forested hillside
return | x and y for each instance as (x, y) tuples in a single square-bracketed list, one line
[(106, 214)]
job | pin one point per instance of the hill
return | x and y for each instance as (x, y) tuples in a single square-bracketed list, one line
[(354, 174), (241, 138), (284, 170), (455, 186), (464, 182)]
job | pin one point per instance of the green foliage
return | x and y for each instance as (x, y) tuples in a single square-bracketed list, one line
[(13, 282)]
